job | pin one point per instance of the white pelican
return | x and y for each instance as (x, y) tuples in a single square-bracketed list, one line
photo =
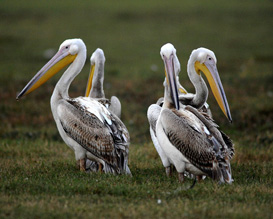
[(84, 124), (94, 88), (153, 114), (190, 141), (197, 100)]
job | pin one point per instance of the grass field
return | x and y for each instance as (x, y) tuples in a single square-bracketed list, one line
[(38, 175)]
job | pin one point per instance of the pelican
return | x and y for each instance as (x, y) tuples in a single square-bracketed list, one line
[(197, 100), (190, 141), (84, 124), (94, 88)]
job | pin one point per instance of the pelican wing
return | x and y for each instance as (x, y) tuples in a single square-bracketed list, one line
[(196, 144), (115, 106), (95, 129), (227, 147), (152, 115), (229, 143)]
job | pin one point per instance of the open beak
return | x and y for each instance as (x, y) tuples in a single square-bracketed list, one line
[(171, 80), (212, 75), (58, 62), (90, 79)]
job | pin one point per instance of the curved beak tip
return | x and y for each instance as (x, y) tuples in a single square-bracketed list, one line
[(229, 117), (19, 96)]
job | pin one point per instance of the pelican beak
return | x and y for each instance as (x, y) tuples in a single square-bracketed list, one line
[(212, 75), (54, 65), (171, 80), (90, 79), (181, 89)]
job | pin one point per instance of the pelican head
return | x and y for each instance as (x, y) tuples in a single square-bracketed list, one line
[(67, 53), (169, 48), (204, 60), (97, 58), (168, 55)]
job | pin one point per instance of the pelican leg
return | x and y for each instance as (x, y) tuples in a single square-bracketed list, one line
[(181, 177), (199, 178), (100, 168), (78, 164), (168, 171), (82, 164)]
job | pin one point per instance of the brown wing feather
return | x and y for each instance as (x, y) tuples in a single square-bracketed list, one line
[(102, 140), (230, 145), (201, 150), (227, 146), (187, 140)]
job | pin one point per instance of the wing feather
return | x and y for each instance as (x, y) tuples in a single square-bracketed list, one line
[(106, 140), (152, 115), (200, 147)]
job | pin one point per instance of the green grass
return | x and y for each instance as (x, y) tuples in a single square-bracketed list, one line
[(38, 175)]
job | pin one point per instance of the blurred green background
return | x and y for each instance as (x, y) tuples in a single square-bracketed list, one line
[(131, 34)]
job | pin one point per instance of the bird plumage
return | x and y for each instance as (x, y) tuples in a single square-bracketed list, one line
[(85, 124), (189, 140), (97, 130)]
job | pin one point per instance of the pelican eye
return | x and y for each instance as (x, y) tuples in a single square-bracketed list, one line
[(66, 47)]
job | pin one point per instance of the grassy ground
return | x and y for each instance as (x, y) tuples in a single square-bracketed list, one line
[(38, 177)]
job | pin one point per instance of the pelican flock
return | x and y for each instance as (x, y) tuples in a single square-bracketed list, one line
[(182, 133), (85, 125), (197, 100), (189, 140), (181, 125)]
